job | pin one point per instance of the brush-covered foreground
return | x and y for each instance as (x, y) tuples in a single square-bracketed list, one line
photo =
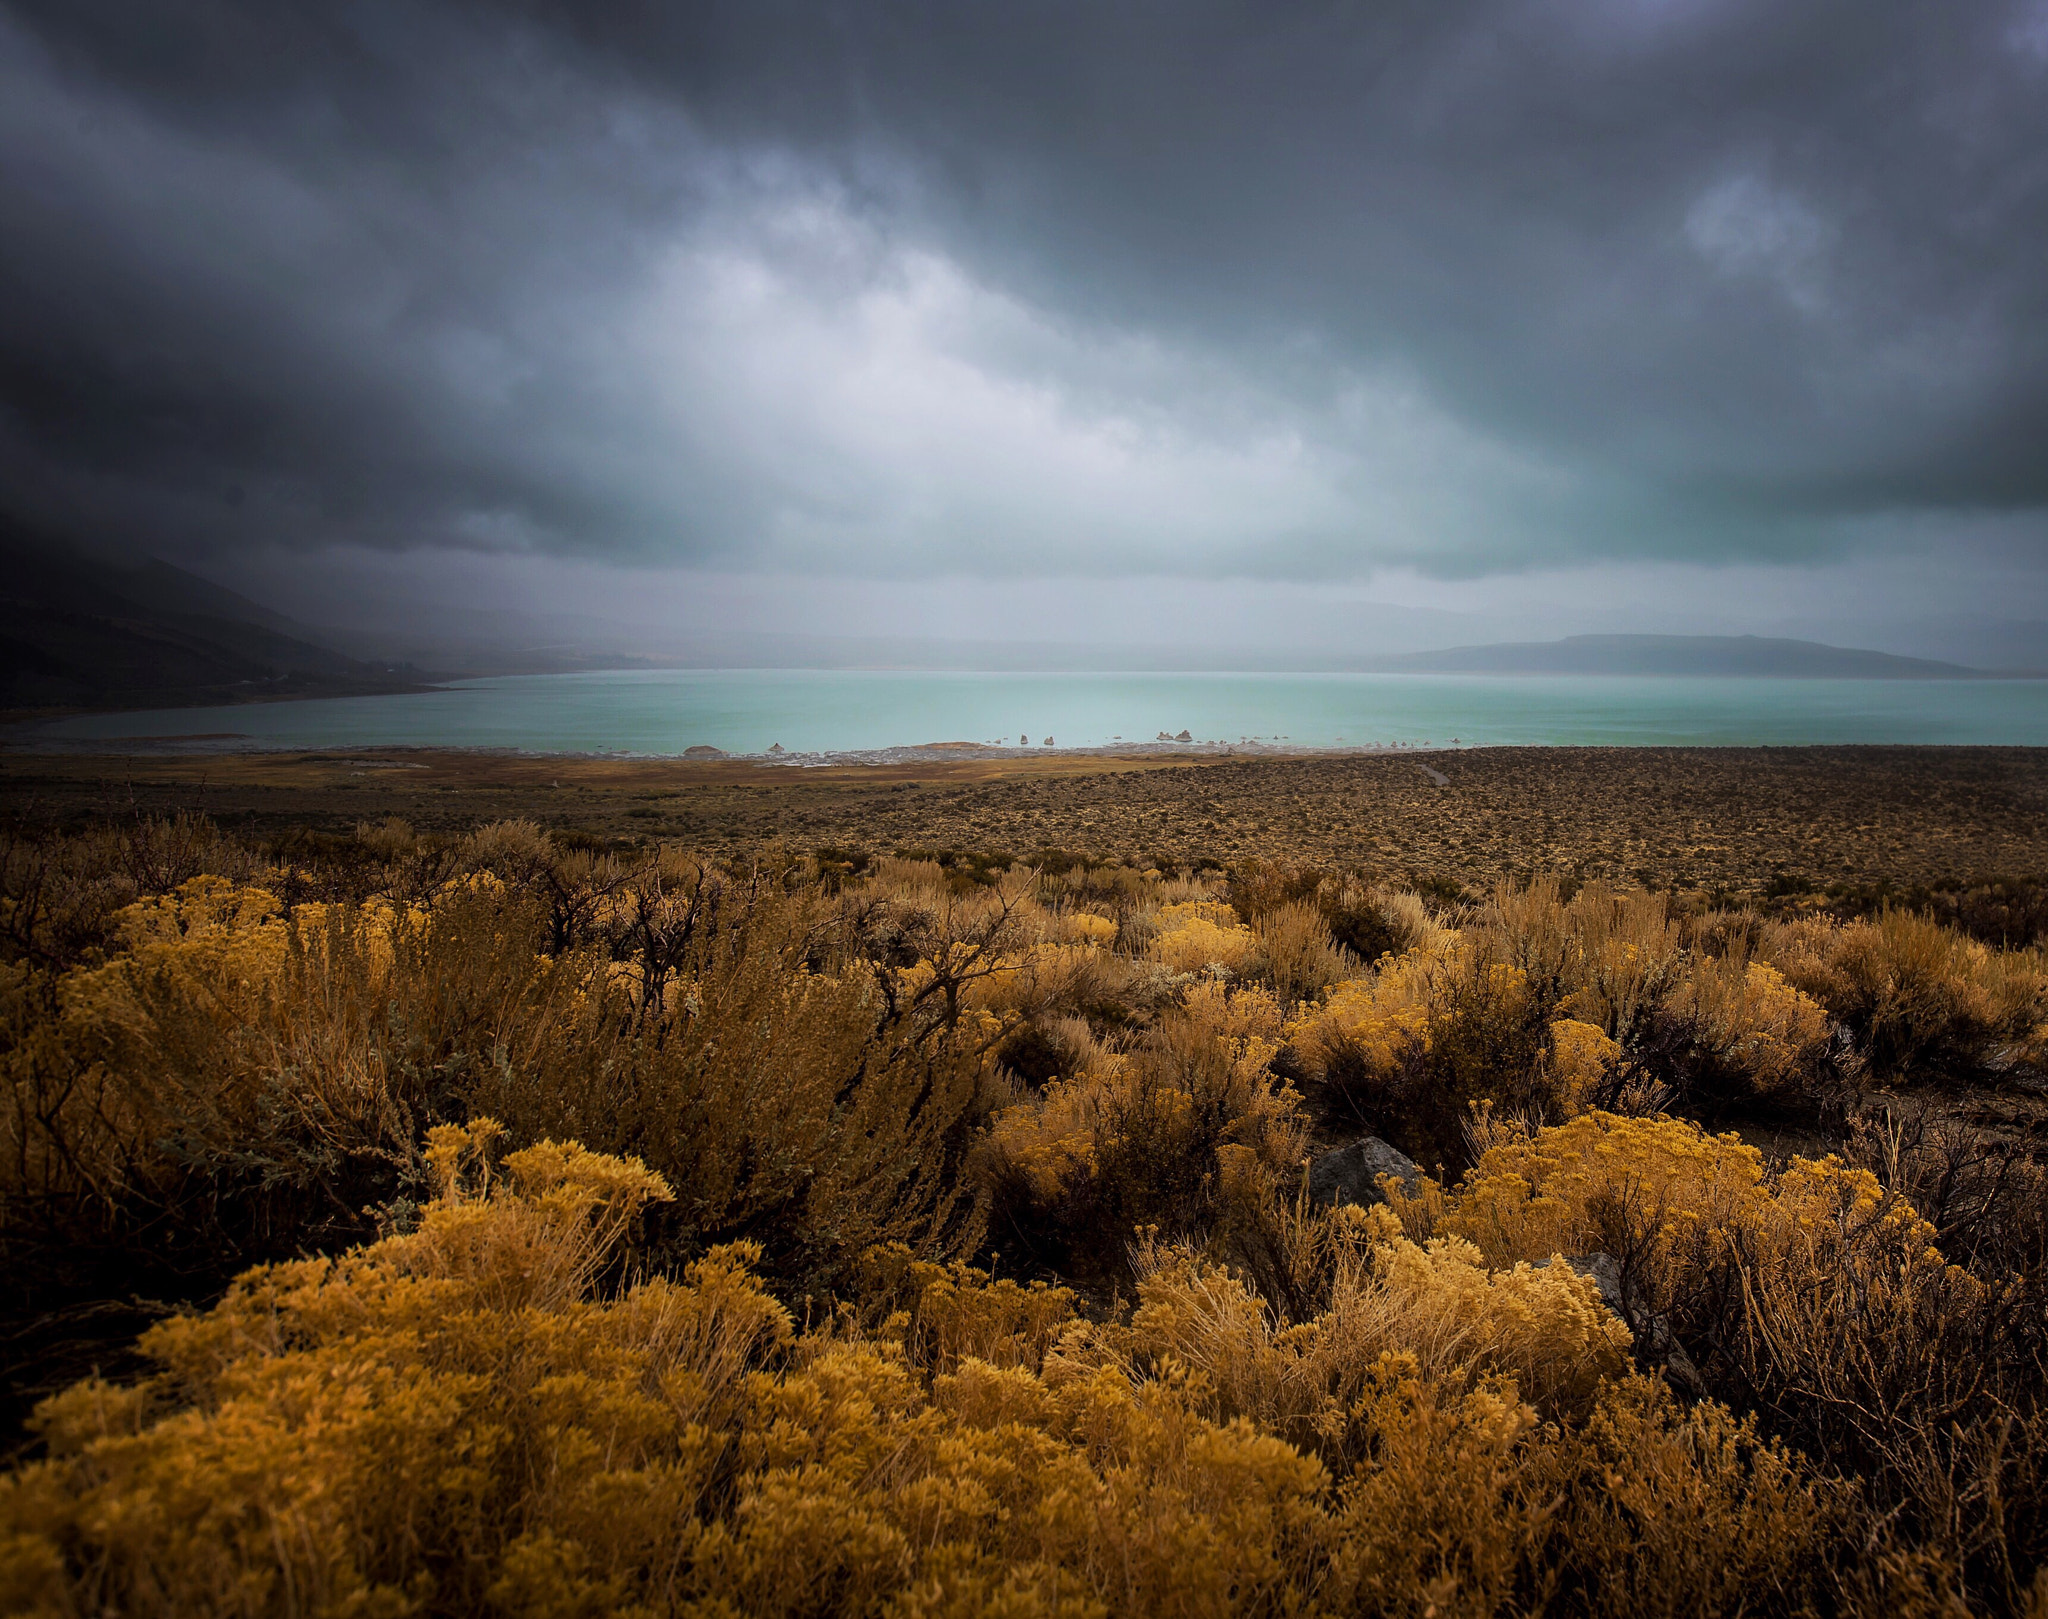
[(574, 1232)]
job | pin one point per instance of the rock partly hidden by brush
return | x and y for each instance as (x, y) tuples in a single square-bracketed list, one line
[(1657, 1350), (1352, 1174)]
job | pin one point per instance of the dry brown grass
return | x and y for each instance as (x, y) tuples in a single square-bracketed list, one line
[(1744, 819), (1919, 996)]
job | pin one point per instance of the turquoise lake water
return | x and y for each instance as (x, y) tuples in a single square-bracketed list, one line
[(744, 711)]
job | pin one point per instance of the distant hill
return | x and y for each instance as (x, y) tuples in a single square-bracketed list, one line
[(76, 633), (1676, 655)]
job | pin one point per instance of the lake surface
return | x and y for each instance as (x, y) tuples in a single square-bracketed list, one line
[(664, 711)]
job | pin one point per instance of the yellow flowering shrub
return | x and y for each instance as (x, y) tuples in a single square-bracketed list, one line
[(207, 926), (814, 1101), (1396, 1007), (1435, 1306), (452, 1421), (1173, 914), (408, 1426), (1465, 1505), (1603, 1182), (1813, 1277), (1376, 1020), (1198, 934), (1607, 958), (947, 1314), (1408, 1052), (1746, 1019), (1187, 1120), (448, 1421), (1915, 993), (1581, 1056), (1085, 927), (233, 1042), (1863, 1342)]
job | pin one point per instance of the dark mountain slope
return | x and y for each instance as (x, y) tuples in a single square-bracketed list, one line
[(1677, 655), (75, 633)]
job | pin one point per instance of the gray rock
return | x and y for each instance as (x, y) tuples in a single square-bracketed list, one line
[(1184, 737), (1657, 1350), (1605, 1270), (1352, 1174), (703, 750)]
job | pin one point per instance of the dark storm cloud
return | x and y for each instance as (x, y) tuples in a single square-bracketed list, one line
[(1275, 289), (309, 266), (1761, 252)]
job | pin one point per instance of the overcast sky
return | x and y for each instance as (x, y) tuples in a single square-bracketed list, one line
[(1214, 318)]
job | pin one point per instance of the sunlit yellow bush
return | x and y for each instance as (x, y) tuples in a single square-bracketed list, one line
[(1817, 1292), (1436, 1306), (1747, 1020), (450, 1421), (1198, 934), (823, 1094), (1378, 1019), (208, 928), (414, 1424), (1085, 927), (1601, 1181), (1187, 1120), (1685, 1205), (60, 895), (1581, 1057), (1603, 958)]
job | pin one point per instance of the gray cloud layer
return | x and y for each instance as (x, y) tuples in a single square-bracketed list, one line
[(1285, 290)]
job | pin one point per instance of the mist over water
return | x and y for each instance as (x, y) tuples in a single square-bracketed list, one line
[(665, 711)]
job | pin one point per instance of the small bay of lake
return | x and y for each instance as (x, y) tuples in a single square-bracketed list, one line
[(664, 711)]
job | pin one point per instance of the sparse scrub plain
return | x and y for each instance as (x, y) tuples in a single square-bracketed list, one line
[(544, 1223), (1954, 831)]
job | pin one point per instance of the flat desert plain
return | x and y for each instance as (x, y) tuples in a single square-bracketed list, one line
[(1742, 819)]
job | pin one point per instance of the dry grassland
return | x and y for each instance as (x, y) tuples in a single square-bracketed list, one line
[(1703, 817)]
